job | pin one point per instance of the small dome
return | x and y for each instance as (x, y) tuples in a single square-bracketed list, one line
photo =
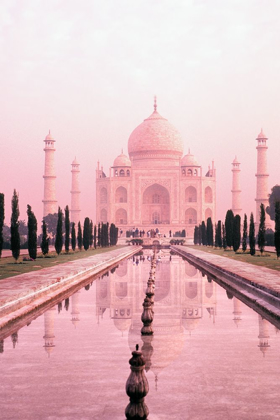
[(49, 136), (75, 162), (122, 160), (189, 160), (155, 135), (235, 160), (261, 135)]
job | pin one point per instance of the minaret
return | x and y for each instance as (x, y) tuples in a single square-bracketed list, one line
[(236, 190), (75, 194), (50, 203), (262, 179)]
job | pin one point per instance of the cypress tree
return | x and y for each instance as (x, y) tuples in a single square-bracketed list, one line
[(209, 231), (199, 235), (102, 234), (195, 236), (236, 232), (67, 229), (216, 236), (32, 233), (224, 239), (245, 233), (73, 237), (219, 234), (94, 237), (229, 228), (252, 239), (203, 234), (45, 239), (80, 237), (113, 234), (2, 218), (261, 233), (107, 234), (59, 236), (86, 234), (15, 238), (277, 229), (90, 234), (99, 235)]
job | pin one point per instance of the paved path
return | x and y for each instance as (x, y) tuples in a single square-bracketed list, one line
[(264, 277), (20, 290)]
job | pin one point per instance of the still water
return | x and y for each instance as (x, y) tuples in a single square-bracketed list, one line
[(211, 357)]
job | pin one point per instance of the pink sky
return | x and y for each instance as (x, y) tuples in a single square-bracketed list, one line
[(89, 70)]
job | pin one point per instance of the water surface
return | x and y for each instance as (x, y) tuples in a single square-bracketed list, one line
[(211, 357)]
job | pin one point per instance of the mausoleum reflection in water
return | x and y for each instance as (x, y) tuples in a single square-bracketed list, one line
[(187, 303)]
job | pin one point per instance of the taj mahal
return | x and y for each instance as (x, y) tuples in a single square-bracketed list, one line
[(156, 186)]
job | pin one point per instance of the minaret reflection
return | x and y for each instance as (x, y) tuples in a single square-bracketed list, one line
[(237, 311), (75, 308), (263, 335), (49, 330)]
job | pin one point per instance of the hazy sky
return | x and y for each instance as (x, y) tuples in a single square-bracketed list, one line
[(88, 70)]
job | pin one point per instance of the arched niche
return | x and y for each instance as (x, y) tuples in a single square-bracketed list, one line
[(209, 289), (103, 216), (156, 205), (208, 195), (191, 289), (103, 196), (190, 216), (190, 270), (121, 217), (121, 195), (190, 195), (121, 289), (208, 213), (121, 270)]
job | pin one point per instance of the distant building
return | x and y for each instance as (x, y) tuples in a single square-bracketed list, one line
[(156, 186)]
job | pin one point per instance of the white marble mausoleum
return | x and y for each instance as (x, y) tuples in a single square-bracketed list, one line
[(156, 186)]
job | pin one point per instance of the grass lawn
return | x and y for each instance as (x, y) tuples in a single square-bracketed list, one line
[(268, 260), (8, 267)]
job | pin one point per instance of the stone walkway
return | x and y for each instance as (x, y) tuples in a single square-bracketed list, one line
[(20, 290), (264, 277)]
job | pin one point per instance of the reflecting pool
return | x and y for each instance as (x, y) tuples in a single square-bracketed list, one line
[(211, 356)]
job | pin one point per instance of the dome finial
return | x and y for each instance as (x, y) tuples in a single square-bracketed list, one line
[(155, 103)]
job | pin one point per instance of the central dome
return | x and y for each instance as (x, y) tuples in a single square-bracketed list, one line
[(155, 137)]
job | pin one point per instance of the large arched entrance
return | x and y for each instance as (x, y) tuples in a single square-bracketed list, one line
[(156, 205)]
